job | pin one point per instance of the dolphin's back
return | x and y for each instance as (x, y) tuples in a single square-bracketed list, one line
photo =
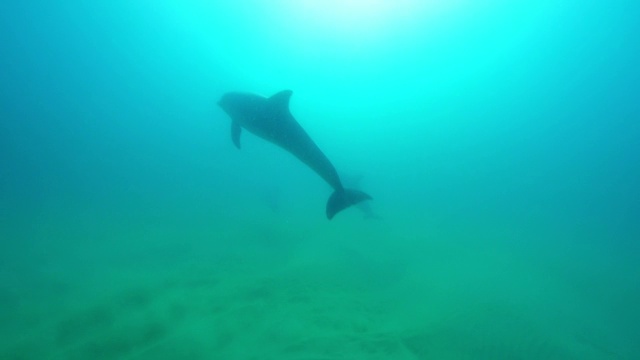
[(282, 129)]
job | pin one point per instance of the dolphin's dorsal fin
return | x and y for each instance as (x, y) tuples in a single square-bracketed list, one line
[(280, 100), (235, 133)]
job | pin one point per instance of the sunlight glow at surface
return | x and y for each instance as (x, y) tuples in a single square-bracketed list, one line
[(364, 56), (356, 17), (347, 14)]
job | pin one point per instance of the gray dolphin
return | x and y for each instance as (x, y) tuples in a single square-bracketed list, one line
[(270, 119)]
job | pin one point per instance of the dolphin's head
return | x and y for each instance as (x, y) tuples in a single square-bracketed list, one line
[(228, 102), (237, 104)]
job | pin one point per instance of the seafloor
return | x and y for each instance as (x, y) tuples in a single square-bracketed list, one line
[(273, 286)]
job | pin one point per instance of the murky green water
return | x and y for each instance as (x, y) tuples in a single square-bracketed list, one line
[(498, 140)]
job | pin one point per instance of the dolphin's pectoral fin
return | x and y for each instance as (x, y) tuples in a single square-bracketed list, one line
[(236, 129), (280, 101), (342, 199)]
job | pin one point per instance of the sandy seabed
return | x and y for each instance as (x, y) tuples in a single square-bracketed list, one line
[(316, 296)]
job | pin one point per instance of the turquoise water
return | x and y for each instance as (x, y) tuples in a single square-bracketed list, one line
[(499, 140)]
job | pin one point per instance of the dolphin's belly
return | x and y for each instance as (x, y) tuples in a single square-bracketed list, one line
[(264, 128)]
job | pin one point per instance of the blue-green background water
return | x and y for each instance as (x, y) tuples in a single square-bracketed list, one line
[(500, 141)]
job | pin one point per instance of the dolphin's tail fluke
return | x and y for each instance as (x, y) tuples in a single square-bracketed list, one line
[(342, 199)]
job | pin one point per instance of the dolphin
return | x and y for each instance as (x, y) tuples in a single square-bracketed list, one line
[(270, 119)]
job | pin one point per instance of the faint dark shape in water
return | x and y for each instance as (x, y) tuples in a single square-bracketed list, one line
[(272, 198), (354, 182), (271, 120)]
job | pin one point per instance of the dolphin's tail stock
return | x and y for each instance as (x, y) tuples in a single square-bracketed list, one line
[(342, 199)]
